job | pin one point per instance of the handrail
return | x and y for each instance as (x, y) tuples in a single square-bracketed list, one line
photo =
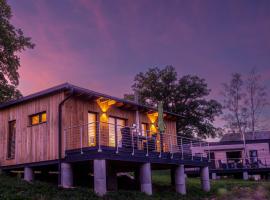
[(105, 134)]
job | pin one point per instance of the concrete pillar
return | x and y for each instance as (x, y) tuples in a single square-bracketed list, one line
[(205, 182), (245, 175), (100, 185), (112, 180), (66, 175), (180, 180), (28, 174), (214, 176), (146, 178)]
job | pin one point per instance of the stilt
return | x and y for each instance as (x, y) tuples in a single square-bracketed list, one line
[(245, 175), (100, 185), (205, 182), (28, 174), (214, 176), (66, 175), (146, 178), (180, 180)]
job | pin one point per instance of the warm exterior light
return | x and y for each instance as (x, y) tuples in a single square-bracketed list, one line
[(153, 128), (105, 104), (152, 117), (103, 117)]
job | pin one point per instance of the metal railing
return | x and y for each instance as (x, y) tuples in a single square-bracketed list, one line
[(241, 163), (137, 142)]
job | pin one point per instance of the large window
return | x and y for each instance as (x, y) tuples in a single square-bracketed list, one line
[(144, 129), (38, 118), (115, 126), (11, 139), (92, 129)]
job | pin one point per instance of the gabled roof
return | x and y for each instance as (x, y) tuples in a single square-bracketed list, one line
[(78, 90)]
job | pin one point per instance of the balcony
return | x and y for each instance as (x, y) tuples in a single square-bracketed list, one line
[(117, 142)]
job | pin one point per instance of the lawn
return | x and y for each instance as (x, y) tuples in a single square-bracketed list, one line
[(16, 189)]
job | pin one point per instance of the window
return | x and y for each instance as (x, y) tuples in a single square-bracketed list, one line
[(92, 129), (38, 118), (11, 140), (144, 129), (253, 154), (115, 126)]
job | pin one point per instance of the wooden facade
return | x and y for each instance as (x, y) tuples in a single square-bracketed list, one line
[(32, 143), (36, 143)]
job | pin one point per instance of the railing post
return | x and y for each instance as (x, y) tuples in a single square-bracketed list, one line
[(99, 138), (116, 137), (201, 149), (146, 143), (65, 141), (171, 150), (182, 149), (132, 140), (81, 132), (209, 154), (191, 149), (160, 144)]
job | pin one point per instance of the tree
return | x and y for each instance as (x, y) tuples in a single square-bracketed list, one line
[(12, 41), (256, 99), (237, 114), (185, 96), (234, 98)]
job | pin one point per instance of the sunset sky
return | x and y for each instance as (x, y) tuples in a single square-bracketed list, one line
[(102, 44)]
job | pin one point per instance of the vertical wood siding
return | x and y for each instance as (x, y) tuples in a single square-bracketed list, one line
[(33, 143)]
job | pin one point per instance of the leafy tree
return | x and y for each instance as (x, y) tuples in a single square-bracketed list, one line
[(185, 96), (12, 41)]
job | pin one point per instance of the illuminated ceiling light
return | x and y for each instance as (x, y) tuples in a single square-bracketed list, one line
[(152, 117), (105, 104), (103, 117)]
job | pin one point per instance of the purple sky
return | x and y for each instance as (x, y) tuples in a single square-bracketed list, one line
[(101, 45)]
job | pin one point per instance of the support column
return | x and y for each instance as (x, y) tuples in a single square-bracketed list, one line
[(112, 180), (205, 182), (28, 174), (100, 185), (245, 175), (214, 176), (146, 178), (66, 175), (180, 180)]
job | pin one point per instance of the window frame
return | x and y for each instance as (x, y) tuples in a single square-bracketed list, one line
[(96, 129), (9, 143), (39, 114), (115, 125)]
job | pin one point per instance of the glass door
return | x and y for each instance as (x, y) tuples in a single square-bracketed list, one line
[(115, 126), (92, 129)]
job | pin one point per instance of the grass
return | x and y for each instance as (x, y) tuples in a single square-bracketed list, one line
[(12, 188)]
